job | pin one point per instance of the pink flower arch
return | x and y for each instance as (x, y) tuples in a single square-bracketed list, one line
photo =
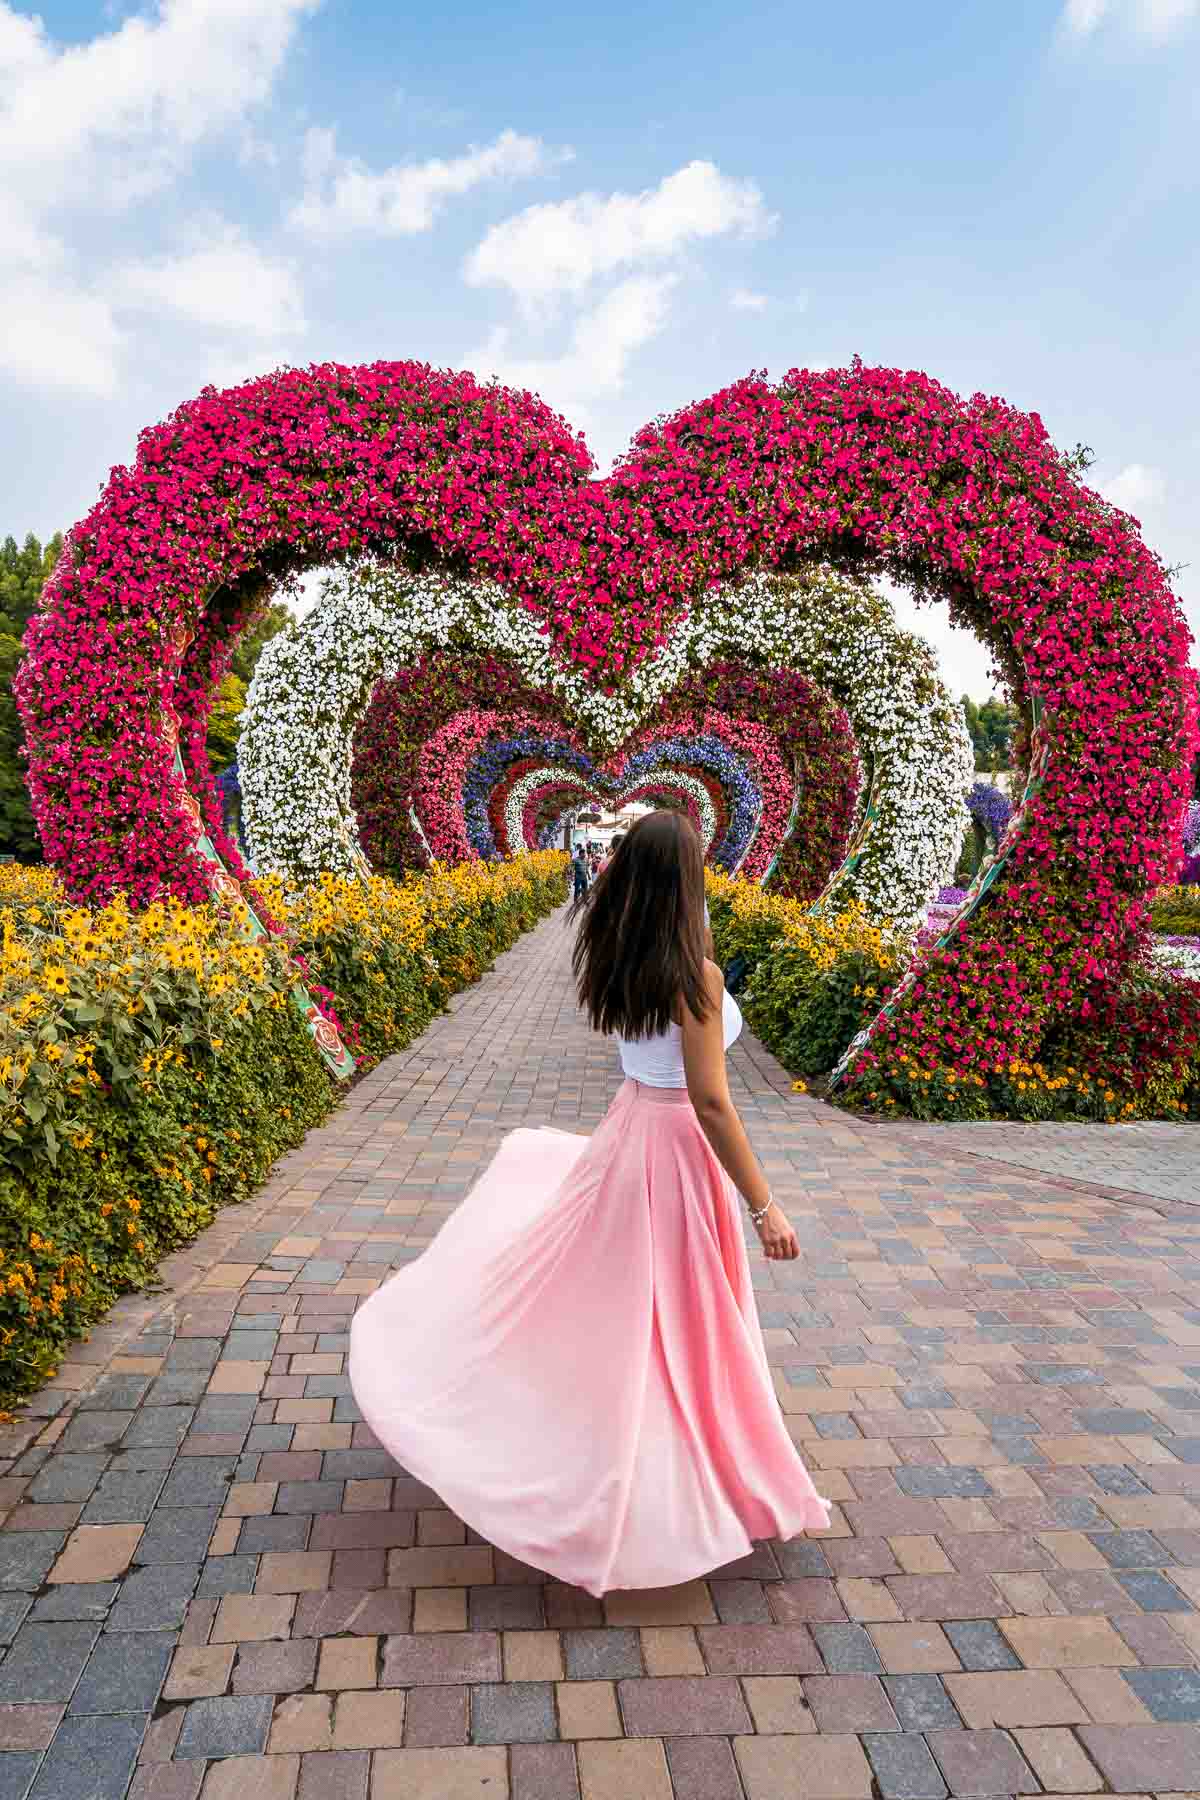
[(870, 468)]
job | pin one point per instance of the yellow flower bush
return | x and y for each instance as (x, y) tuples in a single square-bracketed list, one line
[(153, 1066)]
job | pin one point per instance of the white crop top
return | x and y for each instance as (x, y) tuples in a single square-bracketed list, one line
[(658, 1061)]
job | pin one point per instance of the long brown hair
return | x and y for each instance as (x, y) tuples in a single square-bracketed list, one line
[(640, 947)]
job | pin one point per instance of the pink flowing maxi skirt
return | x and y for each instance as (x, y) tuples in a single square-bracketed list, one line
[(575, 1364)]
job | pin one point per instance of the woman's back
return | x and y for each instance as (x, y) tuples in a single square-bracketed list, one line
[(658, 1061)]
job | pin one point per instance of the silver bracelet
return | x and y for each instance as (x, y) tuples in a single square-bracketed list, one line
[(756, 1218)]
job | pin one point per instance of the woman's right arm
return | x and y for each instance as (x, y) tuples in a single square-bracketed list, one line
[(708, 1091)]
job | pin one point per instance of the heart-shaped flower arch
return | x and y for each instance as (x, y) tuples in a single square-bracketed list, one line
[(312, 684), (857, 467)]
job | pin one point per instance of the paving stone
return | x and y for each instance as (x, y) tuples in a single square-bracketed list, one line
[(1129, 1549), (682, 1706), (100, 1430), (1172, 1696), (920, 1702), (17, 1772), (548, 1772), (849, 1703), (124, 1674), (1015, 1697), (847, 1649), (366, 1721), (1081, 1643), (274, 1667), (513, 1712), (199, 1671), (1153, 1592), (428, 1660), (177, 1534), (253, 1778), (235, 1726), (67, 1477), (760, 1650), (701, 1769), (26, 1557), (343, 1775), (75, 1600), (158, 1427), (618, 1770), (436, 1717), (228, 1575), (91, 1758), (815, 1768), (167, 1781), (45, 1662), (199, 1481), (982, 1763), (930, 1482), (979, 1645), (154, 1599), (1134, 1758), (28, 1727), (121, 1496), (275, 1533), (601, 1655), (13, 1608), (903, 1766)]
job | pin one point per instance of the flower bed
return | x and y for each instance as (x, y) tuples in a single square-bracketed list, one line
[(1132, 1054), (152, 1066)]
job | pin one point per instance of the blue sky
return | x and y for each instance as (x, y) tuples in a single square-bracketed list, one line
[(623, 206)]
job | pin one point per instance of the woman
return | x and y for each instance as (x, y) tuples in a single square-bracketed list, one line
[(575, 1365)]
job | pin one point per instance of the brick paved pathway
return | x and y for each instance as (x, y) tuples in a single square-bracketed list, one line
[(213, 1583), (1159, 1161)]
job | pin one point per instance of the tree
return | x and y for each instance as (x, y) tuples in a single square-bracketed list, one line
[(23, 571), (992, 726)]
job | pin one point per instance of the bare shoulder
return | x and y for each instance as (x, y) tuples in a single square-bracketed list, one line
[(714, 981)]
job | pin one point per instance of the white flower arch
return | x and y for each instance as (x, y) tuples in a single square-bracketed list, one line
[(314, 681)]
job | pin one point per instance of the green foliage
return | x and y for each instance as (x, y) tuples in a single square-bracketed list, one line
[(993, 727), (23, 571), (225, 718), (1175, 912), (224, 722), (807, 1015), (249, 645)]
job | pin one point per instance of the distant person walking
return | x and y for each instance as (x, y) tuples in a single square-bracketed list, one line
[(579, 870)]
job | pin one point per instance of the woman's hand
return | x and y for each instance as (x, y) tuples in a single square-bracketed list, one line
[(778, 1240)]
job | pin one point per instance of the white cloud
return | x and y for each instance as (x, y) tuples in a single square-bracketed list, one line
[(342, 195), (563, 246), (56, 336), (221, 280), (594, 362), (113, 118), (1135, 488), (1156, 20), (97, 126), (746, 300)]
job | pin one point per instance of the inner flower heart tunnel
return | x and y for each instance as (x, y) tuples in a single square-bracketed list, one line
[(859, 469), (442, 767)]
